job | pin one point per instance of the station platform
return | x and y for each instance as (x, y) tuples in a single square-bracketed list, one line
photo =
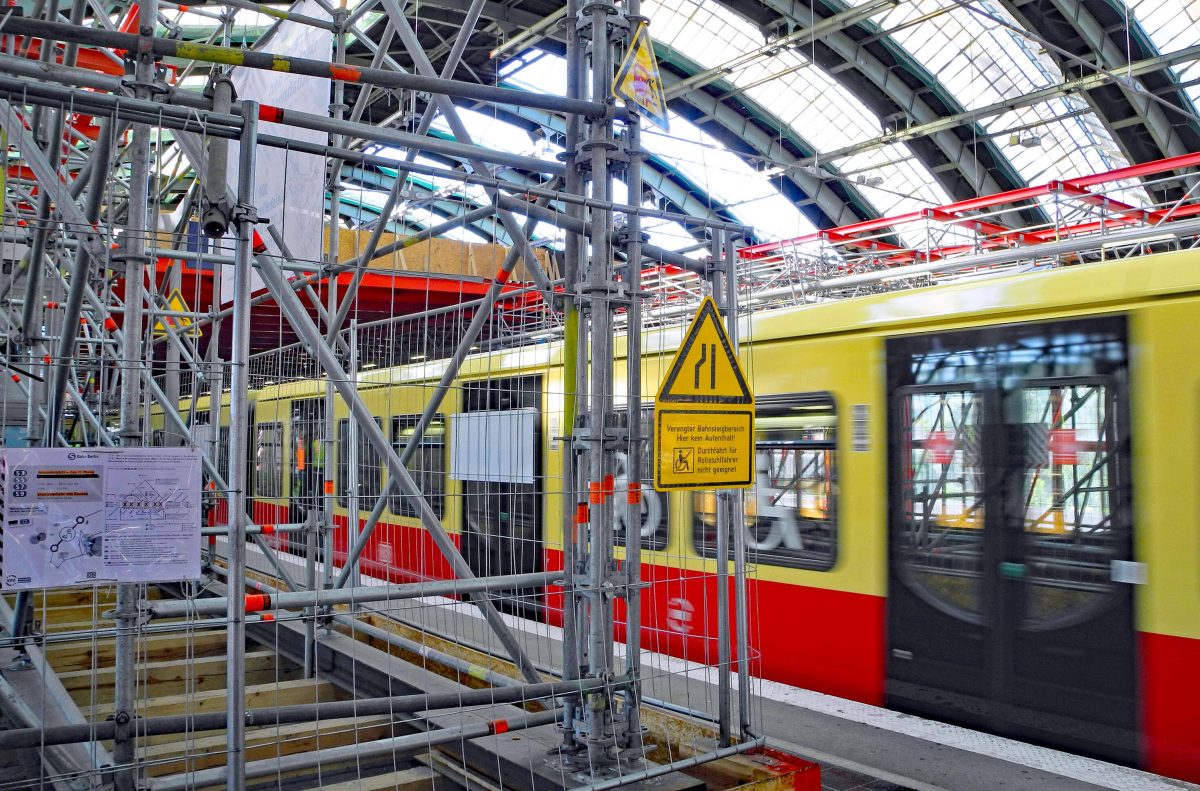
[(859, 747), (867, 748)]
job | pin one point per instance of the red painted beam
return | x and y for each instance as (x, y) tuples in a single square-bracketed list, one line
[(1075, 187)]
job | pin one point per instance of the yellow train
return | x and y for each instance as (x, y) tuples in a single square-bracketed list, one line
[(975, 502)]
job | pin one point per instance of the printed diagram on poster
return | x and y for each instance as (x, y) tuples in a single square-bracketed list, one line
[(704, 412), (639, 82), (87, 515)]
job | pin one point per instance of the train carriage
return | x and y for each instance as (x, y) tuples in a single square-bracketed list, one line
[(974, 502)]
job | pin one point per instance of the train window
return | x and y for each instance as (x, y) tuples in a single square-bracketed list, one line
[(370, 469), (654, 504), (791, 512), (427, 465), (1014, 426), (943, 492), (268, 460)]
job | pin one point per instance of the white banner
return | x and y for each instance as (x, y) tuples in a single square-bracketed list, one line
[(77, 516), (288, 186)]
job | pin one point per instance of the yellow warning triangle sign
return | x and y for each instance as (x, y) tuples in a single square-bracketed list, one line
[(705, 369), (182, 325), (638, 80)]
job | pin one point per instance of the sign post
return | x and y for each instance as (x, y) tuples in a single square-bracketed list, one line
[(704, 413)]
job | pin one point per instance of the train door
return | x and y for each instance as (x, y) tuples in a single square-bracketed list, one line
[(1009, 603), (496, 453), (308, 458)]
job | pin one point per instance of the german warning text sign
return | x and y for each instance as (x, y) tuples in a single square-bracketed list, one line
[(704, 413), (638, 80)]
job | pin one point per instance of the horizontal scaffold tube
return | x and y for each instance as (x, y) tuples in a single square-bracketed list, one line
[(266, 530), (228, 126), (55, 72), (208, 53), (296, 599), (416, 742), (305, 712)]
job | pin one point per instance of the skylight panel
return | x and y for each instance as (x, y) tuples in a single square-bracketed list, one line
[(813, 105), (1172, 25), (696, 156), (981, 63)]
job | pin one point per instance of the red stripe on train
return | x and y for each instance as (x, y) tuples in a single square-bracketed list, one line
[(833, 642), (1171, 698)]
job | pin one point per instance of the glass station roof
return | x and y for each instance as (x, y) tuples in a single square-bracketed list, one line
[(1002, 79)]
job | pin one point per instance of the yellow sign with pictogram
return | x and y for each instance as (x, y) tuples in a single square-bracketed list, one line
[(704, 413), (638, 80), (182, 325)]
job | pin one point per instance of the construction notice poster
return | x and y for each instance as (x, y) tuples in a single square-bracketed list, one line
[(81, 516)]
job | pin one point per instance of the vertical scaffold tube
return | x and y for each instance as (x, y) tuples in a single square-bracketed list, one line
[(573, 362), (125, 674), (598, 714), (239, 414), (633, 463)]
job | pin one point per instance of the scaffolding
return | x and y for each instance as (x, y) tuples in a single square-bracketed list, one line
[(129, 325)]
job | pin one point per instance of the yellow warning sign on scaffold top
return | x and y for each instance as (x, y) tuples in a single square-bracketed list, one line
[(638, 80), (704, 413), (181, 324)]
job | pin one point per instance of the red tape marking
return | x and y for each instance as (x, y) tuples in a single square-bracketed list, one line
[(257, 601), (346, 73), (500, 726), (595, 493), (110, 324), (268, 529), (635, 494), (270, 113), (581, 514)]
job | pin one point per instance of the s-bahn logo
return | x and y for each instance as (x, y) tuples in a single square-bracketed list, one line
[(679, 615)]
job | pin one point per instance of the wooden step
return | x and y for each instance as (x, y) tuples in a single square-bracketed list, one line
[(75, 597), (284, 693), (85, 654), (186, 753), (175, 677), (420, 778), (58, 626)]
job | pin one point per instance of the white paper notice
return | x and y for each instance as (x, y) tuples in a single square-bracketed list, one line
[(84, 515)]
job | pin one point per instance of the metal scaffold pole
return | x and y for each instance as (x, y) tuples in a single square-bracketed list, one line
[(239, 409), (633, 462), (599, 729), (136, 237)]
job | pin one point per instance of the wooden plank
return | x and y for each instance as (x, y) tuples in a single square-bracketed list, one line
[(285, 693), (175, 677), (69, 597), (419, 778), (55, 625), (191, 753), (84, 654)]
